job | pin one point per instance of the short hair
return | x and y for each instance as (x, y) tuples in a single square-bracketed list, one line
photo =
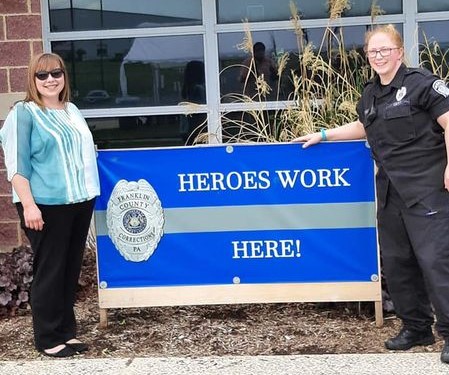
[(259, 45), (45, 61)]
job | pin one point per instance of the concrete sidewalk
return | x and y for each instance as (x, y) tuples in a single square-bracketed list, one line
[(346, 364)]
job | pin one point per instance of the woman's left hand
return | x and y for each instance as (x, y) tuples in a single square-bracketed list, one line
[(309, 139)]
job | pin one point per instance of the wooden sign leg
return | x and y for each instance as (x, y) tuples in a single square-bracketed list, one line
[(379, 313), (103, 318)]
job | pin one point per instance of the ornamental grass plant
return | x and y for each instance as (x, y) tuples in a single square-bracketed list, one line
[(434, 58)]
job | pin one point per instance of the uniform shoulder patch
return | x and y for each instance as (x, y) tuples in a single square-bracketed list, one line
[(440, 87)]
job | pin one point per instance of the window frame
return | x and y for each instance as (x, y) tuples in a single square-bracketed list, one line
[(210, 30)]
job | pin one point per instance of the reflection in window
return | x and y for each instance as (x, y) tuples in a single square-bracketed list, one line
[(194, 83), (76, 15), (434, 47), (249, 126), (132, 72), (433, 5), (239, 70), (148, 131), (364, 7), (234, 11)]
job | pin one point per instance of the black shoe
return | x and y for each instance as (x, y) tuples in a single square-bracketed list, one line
[(78, 347), (407, 339), (445, 352), (64, 352)]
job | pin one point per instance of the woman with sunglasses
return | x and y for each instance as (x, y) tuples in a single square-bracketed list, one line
[(404, 114), (51, 163)]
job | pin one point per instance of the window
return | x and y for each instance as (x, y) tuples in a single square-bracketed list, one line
[(132, 81), (147, 131), (434, 46), (364, 7), (235, 11), (77, 15), (237, 76), (433, 5), (238, 69), (132, 72)]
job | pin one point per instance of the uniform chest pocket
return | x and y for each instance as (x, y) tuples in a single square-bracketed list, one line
[(398, 121), (397, 110)]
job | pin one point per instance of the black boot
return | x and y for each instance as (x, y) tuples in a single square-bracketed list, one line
[(408, 338), (445, 351)]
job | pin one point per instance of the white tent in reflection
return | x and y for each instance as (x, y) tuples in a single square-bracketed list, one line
[(164, 50), (161, 51)]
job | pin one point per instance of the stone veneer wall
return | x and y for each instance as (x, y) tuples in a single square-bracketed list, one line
[(20, 38)]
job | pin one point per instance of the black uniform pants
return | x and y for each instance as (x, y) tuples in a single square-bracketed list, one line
[(414, 243), (57, 258)]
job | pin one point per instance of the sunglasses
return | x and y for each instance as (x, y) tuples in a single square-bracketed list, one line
[(43, 75)]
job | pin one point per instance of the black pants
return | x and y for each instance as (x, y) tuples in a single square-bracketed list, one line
[(414, 245), (58, 252)]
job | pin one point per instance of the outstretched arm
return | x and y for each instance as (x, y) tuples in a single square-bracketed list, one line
[(353, 130)]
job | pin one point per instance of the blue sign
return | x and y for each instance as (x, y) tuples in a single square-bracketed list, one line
[(258, 213)]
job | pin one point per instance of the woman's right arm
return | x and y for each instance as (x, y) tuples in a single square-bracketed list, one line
[(15, 137), (32, 214), (353, 130)]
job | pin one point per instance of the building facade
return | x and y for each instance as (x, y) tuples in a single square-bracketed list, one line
[(134, 65)]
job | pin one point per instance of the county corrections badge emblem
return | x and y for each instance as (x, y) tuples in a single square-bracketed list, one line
[(135, 219)]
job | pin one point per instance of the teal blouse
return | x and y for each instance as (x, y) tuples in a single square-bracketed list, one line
[(54, 150)]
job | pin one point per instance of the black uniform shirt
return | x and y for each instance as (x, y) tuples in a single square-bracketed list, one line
[(406, 141)]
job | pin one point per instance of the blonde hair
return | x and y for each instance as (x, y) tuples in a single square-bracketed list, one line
[(390, 30), (47, 62)]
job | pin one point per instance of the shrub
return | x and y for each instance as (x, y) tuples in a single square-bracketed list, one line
[(16, 274)]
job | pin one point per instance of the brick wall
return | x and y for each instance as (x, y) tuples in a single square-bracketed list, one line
[(20, 38)]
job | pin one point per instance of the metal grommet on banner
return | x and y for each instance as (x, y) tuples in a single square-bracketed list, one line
[(229, 149), (374, 277), (236, 280), (103, 285)]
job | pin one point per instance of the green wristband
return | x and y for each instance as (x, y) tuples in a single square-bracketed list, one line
[(323, 134)]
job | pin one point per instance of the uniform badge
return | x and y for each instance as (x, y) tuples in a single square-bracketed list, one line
[(135, 219), (440, 87), (401, 93)]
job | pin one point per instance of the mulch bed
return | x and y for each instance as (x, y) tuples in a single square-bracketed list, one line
[(249, 329)]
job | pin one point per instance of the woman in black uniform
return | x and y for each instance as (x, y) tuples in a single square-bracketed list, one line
[(403, 113)]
